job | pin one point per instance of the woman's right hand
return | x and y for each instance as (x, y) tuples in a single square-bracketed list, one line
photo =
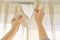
[(38, 15)]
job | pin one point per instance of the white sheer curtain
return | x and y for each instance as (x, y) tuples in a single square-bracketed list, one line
[(28, 9)]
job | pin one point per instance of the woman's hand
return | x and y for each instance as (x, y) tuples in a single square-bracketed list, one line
[(39, 15), (14, 29), (16, 21)]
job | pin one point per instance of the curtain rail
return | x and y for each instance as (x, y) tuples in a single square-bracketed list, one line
[(33, 2)]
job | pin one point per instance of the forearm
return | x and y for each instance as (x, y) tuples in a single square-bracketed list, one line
[(42, 33), (10, 34)]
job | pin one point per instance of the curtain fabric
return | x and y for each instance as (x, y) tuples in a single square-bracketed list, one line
[(26, 22)]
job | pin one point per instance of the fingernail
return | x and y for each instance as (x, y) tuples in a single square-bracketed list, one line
[(20, 16), (13, 19), (36, 10)]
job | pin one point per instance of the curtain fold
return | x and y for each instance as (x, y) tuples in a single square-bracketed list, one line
[(24, 20), (51, 13), (0, 9), (6, 14)]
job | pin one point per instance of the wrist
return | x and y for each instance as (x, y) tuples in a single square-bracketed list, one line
[(39, 23)]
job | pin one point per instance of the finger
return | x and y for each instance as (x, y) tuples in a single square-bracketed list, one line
[(41, 12), (13, 19), (35, 13), (36, 10), (20, 17)]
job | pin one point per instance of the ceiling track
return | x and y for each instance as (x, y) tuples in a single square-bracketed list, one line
[(31, 2)]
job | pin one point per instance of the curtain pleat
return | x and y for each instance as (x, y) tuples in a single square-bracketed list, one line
[(51, 13), (24, 20), (6, 14), (0, 9)]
